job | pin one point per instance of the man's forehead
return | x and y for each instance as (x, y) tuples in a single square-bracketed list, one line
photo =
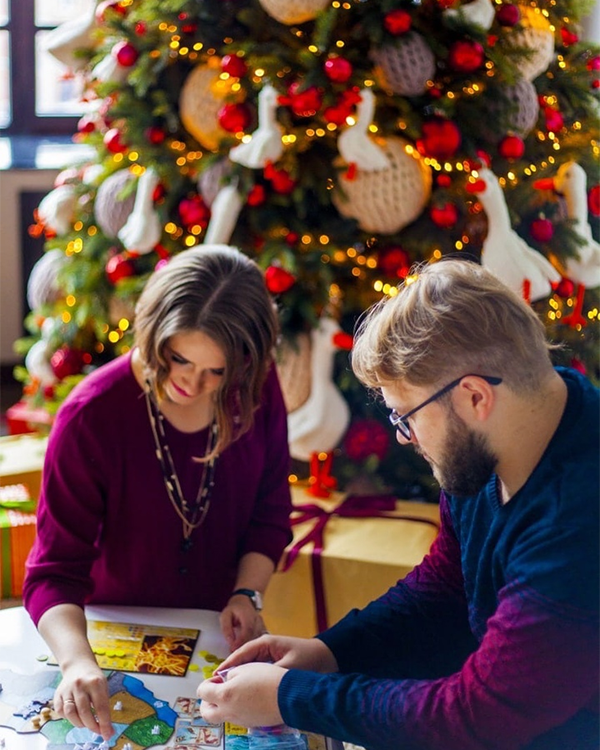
[(395, 392)]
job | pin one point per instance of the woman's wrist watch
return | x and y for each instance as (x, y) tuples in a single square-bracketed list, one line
[(254, 596)]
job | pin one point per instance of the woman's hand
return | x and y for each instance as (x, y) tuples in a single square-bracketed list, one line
[(285, 651), (240, 622), (82, 698)]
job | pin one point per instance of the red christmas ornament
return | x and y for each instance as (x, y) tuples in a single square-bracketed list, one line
[(278, 280), (508, 15), (511, 147), (466, 56), (302, 103), (189, 28), (140, 28), (292, 238), (565, 288), (111, 6), (87, 124), (158, 194), (118, 267), (155, 135), (280, 179), (397, 22), (112, 141), (444, 216), (337, 114), (366, 437), (338, 69), (393, 261), (234, 118), (193, 211), (554, 120), (594, 200), (66, 361), (234, 65), (568, 37), (441, 138), (256, 195), (343, 340), (593, 63), (443, 180), (542, 229), (125, 53)]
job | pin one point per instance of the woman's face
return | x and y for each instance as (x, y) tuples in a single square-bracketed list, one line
[(196, 367)]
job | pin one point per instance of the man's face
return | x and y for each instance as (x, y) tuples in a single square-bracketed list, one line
[(460, 458)]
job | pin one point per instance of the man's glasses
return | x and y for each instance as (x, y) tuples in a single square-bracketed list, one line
[(400, 421)]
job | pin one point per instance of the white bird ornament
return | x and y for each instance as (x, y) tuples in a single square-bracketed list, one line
[(265, 145), (143, 228), (479, 13), (355, 144), (571, 181), (505, 253)]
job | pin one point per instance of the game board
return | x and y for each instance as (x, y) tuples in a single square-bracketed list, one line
[(130, 647), (140, 718)]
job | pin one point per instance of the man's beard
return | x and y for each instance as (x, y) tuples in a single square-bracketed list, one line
[(467, 463)]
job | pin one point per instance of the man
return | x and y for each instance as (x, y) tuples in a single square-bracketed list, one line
[(492, 642)]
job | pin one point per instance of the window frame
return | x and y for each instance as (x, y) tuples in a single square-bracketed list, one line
[(22, 29)]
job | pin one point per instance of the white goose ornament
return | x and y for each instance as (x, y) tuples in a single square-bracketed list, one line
[(355, 145), (504, 252), (571, 181), (265, 145)]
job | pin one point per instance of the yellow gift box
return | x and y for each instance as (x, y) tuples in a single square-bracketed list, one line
[(21, 461), (367, 545)]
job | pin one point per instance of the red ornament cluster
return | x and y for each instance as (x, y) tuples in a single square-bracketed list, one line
[(278, 280)]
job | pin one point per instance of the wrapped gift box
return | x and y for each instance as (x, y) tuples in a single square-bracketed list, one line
[(21, 418), (365, 550), (17, 534), (21, 461)]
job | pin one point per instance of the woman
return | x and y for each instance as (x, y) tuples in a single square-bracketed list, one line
[(166, 475)]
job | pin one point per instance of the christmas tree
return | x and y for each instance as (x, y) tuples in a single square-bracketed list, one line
[(337, 143)]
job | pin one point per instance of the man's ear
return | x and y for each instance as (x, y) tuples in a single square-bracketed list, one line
[(476, 397)]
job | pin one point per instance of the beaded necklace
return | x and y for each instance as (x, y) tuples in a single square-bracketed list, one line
[(192, 514)]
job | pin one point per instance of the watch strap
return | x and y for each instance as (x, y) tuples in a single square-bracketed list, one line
[(254, 596)]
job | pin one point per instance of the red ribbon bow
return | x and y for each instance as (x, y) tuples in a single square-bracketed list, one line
[(354, 506)]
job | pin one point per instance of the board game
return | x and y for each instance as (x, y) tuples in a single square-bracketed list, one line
[(140, 717), (129, 647)]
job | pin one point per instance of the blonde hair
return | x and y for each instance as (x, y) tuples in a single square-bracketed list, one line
[(454, 318), (219, 291)]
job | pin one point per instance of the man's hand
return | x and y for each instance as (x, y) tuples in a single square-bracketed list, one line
[(247, 697), (284, 651)]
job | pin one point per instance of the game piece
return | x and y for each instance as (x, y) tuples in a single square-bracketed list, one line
[(156, 729), (118, 706)]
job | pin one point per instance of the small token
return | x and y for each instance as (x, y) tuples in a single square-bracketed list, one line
[(42, 657), (193, 667)]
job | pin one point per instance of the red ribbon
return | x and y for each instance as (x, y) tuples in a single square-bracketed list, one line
[(354, 506)]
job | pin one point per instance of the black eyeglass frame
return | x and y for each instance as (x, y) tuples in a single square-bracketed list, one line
[(398, 421)]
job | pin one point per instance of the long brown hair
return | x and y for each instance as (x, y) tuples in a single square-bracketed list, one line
[(221, 292)]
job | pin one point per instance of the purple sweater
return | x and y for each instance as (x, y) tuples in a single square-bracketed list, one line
[(107, 532)]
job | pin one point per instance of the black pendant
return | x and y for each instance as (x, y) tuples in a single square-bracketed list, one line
[(186, 545)]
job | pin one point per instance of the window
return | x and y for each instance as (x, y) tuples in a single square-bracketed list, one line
[(38, 94)]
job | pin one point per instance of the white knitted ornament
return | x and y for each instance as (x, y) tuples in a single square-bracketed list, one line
[(212, 179), (407, 65), (294, 11), (42, 285), (387, 200), (535, 35), (111, 209), (522, 100), (57, 209), (293, 369), (202, 96)]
